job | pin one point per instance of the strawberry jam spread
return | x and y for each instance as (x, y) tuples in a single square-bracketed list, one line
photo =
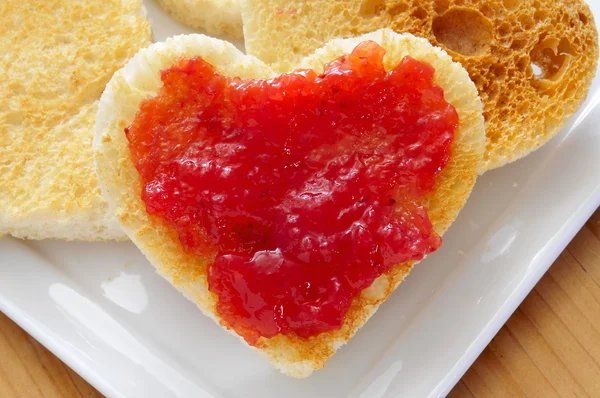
[(306, 186)]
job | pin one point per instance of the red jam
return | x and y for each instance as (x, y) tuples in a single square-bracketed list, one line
[(307, 186)]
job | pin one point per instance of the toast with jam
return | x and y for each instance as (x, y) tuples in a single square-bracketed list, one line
[(288, 207)]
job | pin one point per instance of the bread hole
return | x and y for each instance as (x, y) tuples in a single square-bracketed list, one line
[(493, 140), (510, 4), (518, 44), (370, 8), (487, 10), (498, 71), (492, 91), (526, 21), (399, 9), (522, 63), (441, 5), (523, 108), (582, 17), (537, 71), (504, 29), (419, 13), (476, 80), (549, 60), (564, 47), (463, 30), (540, 15), (488, 117)]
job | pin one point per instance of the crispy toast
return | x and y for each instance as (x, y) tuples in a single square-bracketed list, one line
[(121, 183), (53, 74)]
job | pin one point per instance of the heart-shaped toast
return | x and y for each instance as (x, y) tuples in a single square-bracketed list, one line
[(282, 207)]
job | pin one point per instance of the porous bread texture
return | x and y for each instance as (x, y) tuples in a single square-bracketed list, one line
[(121, 184), (57, 56), (532, 61), (215, 17)]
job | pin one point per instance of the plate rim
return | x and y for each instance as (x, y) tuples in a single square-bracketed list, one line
[(568, 229)]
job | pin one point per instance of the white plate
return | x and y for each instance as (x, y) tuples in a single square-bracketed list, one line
[(102, 309)]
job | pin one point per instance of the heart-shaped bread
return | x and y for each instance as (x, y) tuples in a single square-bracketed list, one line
[(122, 185)]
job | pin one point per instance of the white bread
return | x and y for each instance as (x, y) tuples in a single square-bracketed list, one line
[(120, 181), (215, 17), (57, 58), (532, 61)]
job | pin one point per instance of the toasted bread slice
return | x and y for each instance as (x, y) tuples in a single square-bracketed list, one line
[(57, 58), (215, 17), (121, 184), (532, 61)]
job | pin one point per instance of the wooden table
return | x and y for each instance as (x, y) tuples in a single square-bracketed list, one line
[(550, 347)]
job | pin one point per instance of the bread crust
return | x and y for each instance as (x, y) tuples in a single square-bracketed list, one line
[(532, 61), (57, 56), (121, 184)]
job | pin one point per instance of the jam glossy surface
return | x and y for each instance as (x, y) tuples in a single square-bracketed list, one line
[(307, 186)]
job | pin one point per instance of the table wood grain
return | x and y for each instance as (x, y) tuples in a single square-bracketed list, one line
[(550, 347)]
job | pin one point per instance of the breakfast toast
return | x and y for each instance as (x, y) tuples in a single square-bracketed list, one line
[(140, 80), (57, 58)]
